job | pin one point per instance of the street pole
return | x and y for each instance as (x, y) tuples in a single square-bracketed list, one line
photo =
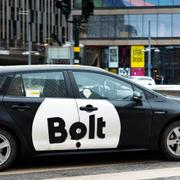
[(27, 14), (29, 32), (149, 48), (29, 41), (76, 27)]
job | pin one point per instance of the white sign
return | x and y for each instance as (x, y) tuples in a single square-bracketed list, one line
[(113, 57), (59, 53), (4, 52), (124, 72)]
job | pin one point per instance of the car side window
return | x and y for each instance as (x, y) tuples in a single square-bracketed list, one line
[(99, 86), (4, 82), (46, 84)]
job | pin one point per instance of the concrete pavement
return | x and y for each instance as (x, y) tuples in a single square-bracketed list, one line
[(131, 175)]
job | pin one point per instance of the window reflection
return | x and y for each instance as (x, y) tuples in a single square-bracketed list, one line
[(122, 26), (135, 26), (165, 2), (153, 19), (130, 26), (137, 2), (164, 25), (151, 3), (108, 26), (176, 25), (129, 3), (94, 27), (114, 3), (176, 2), (98, 3)]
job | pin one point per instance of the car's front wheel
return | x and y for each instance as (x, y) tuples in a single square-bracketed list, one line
[(170, 141), (8, 149)]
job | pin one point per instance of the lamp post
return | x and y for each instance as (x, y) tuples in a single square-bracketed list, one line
[(149, 49), (27, 13), (29, 40)]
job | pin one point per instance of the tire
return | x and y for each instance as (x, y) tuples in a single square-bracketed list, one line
[(170, 141), (8, 149)]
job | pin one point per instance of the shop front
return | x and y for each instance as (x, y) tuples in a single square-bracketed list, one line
[(133, 61)]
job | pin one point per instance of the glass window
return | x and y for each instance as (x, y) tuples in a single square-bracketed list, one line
[(137, 3), (2, 80), (122, 26), (94, 27), (115, 3), (16, 88), (151, 3), (78, 4), (176, 2), (135, 25), (101, 26), (126, 3), (164, 25), (176, 25), (49, 84), (153, 20), (108, 26), (165, 2), (97, 3), (98, 86), (105, 3)]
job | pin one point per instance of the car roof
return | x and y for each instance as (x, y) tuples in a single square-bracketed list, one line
[(24, 68)]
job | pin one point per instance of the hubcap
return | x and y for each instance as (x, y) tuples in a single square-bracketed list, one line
[(173, 141), (5, 149)]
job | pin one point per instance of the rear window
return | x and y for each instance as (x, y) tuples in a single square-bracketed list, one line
[(4, 81), (44, 84)]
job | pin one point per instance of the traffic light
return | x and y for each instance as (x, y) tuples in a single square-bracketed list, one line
[(65, 6), (87, 8)]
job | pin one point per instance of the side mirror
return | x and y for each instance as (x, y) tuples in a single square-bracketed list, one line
[(137, 95)]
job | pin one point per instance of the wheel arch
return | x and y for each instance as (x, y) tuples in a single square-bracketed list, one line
[(19, 138), (165, 126)]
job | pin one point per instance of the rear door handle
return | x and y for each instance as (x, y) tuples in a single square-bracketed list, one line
[(20, 107), (88, 108)]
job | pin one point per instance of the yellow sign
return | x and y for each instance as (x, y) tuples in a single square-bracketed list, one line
[(137, 56), (76, 49)]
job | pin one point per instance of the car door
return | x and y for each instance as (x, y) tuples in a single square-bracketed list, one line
[(111, 115), (39, 103)]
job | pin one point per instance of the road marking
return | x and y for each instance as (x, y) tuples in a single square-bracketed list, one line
[(129, 175)]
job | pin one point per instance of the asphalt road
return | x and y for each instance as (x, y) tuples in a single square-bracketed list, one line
[(124, 165)]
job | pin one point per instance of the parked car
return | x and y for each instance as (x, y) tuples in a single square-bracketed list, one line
[(70, 109), (143, 80)]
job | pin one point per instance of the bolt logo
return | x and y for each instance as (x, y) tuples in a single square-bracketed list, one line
[(59, 124), (58, 133)]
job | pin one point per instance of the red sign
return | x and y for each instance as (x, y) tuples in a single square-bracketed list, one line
[(137, 71)]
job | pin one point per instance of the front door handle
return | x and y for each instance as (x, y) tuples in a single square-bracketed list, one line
[(88, 108), (20, 107)]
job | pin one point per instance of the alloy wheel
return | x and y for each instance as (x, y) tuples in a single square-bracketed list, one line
[(5, 149), (173, 141)]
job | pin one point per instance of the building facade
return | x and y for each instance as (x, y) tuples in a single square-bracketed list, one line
[(120, 28), (24, 21)]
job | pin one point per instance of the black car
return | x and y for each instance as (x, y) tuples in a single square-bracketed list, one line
[(77, 109)]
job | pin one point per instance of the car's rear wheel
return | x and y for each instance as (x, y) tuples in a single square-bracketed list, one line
[(8, 149), (170, 141)]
